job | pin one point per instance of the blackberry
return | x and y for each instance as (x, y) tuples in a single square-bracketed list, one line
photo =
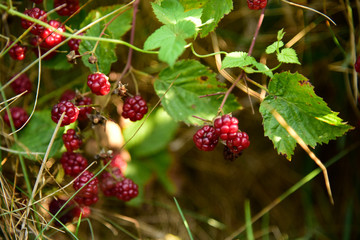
[(34, 13), (66, 214), (73, 163), (17, 52), (21, 84), (226, 126), (118, 162), (238, 143), (229, 155), (68, 95), (134, 108), (99, 84), (50, 37), (71, 112), (74, 44), (84, 111), (71, 140), (71, 7), (19, 117), (256, 4), (126, 189), (89, 194), (205, 138), (108, 182)]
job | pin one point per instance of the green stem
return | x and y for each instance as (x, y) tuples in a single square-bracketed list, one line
[(206, 55)]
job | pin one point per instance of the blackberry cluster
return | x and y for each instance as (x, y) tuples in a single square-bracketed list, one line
[(256, 4), (18, 115), (226, 129), (71, 140), (21, 84), (99, 84), (65, 215), (70, 8), (73, 163), (126, 189), (134, 108), (89, 194), (34, 13), (51, 38), (71, 112), (17, 52), (84, 111)]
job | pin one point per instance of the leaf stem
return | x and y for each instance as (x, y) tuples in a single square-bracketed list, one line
[(206, 55)]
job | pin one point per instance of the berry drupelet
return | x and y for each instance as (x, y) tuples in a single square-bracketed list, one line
[(134, 108)]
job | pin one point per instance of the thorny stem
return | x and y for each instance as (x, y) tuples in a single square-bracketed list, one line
[(200, 118), (228, 93), (212, 94), (257, 31)]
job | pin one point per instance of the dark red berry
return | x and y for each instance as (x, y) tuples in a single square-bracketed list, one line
[(229, 155), (108, 181), (21, 84), (256, 4), (238, 143), (68, 95), (84, 211), (37, 41), (71, 140), (37, 1), (98, 83), (134, 108), (34, 13), (357, 65), (126, 190), (89, 194), (205, 138), (73, 163), (17, 52), (71, 7), (84, 111), (19, 117), (74, 44), (50, 37), (65, 215), (226, 126), (71, 112)]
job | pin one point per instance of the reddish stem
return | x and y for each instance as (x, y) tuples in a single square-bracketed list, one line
[(212, 94)]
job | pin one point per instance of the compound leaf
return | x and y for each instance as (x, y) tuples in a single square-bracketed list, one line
[(189, 80), (293, 97)]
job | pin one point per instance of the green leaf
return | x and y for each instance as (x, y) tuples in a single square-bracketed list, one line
[(274, 47), (264, 69), (58, 62), (154, 135), (214, 11), (288, 55), (172, 12), (237, 59), (190, 80), (35, 137), (105, 51), (293, 97), (171, 40), (280, 34)]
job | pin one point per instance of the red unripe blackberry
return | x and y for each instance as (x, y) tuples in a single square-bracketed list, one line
[(65, 215), (17, 52), (68, 95), (126, 189), (21, 84), (89, 194), (118, 162), (99, 84), (226, 126), (19, 117), (357, 65), (256, 4), (50, 37), (71, 7), (205, 138), (74, 44), (84, 111), (71, 112), (73, 163), (34, 13), (238, 143), (84, 211), (134, 108), (36, 41), (71, 140)]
